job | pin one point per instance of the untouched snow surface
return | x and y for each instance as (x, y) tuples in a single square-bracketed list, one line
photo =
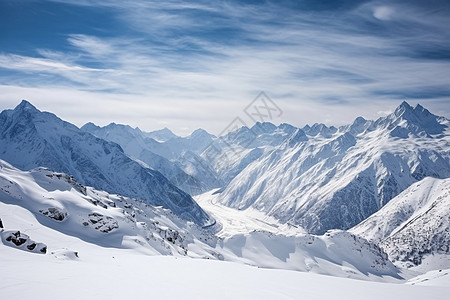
[(109, 273)]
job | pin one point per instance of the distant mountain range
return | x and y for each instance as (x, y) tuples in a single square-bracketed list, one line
[(318, 177), (324, 177), (390, 175)]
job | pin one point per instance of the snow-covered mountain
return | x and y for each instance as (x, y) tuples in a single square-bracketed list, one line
[(161, 135), (231, 153), (138, 144), (200, 161), (60, 203), (413, 225), (30, 138), (322, 178), (277, 176), (318, 177), (54, 211)]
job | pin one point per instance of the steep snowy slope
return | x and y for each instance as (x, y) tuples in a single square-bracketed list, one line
[(137, 144), (231, 153), (57, 202), (30, 138), (414, 224), (336, 180), (52, 210)]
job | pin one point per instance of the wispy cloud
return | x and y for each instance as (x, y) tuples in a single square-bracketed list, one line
[(208, 59)]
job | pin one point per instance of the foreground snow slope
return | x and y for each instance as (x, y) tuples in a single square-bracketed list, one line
[(53, 209), (414, 224), (122, 274), (30, 138)]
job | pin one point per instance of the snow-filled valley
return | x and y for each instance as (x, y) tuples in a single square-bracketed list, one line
[(107, 212)]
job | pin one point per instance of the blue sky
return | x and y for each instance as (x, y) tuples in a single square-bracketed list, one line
[(190, 64)]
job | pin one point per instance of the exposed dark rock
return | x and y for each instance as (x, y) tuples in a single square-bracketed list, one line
[(54, 213), (102, 223), (18, 240)]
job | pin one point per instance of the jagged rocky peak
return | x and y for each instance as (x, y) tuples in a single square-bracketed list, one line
[(402, 108), (320, 129), (265, 127), (358, 126), (161, 135), (24, 110), (200, 133), (116, 126), (287, 128), (406, 121), (359, 122), (298, 137), (25, 105), (89, 127)]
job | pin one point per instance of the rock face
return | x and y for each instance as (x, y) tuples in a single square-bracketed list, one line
[(102, 223), (322, 178), (30, 139), (22, 241), (54, 213), (414, 224)]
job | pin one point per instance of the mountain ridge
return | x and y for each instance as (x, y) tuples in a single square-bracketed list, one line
[(30, 139)]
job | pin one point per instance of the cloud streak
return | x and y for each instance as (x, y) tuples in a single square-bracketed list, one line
[(207, 60)]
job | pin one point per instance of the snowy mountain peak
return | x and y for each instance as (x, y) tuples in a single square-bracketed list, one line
[(323, 183), (122, 126), (402, 108), (359, 121), (89, 127), (200, 133), (406, 121), (418, 115), (320, 129), (288, 128), (265, 127), (25, 105), (358, 126), (31, 140), (161, 135)]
